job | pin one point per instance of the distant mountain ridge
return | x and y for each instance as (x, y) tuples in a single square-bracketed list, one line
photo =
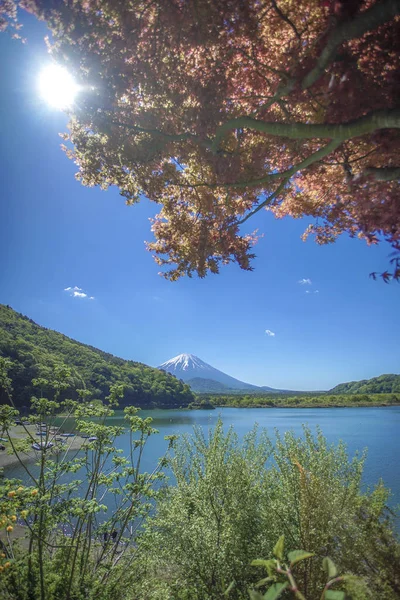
[(205, 379), (202, 377)]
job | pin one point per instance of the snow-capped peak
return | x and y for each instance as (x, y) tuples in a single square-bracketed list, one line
[(184, 362), (188, 366)]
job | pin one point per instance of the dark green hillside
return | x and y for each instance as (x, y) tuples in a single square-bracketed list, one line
[(35, 349), (384, 384)]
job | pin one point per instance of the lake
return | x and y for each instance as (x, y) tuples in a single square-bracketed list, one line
[(375, 428)]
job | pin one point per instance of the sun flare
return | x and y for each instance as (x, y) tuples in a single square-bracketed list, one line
[(57, 87)]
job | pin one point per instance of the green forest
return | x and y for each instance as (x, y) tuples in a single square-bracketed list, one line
[(299, 400), (385, 384), (34, 350)]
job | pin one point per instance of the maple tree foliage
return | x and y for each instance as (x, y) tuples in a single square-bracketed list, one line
[(215, 109)]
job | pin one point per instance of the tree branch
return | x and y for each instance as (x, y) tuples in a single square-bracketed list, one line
[(171, 137), (315, 157), (286, 19), (383, 174), (266, 202), (378, 14), (380, 119)]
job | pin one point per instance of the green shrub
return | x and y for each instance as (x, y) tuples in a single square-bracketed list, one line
[(208, 527), (72, 547), (227, 508)]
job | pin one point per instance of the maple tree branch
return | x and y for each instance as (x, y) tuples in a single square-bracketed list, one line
[(266, 202), (253, 59), (380, 119), (383, 174), (315, 157), (373, 17), (171, 137), (350, 162), (353, 160), (311, 159), (286, 19), (284, 88), (378, 14)]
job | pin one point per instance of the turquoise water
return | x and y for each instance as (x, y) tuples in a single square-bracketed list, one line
[(375, 428)]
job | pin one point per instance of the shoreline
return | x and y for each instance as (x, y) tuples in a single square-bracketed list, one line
[(17, 432), (307, 406)]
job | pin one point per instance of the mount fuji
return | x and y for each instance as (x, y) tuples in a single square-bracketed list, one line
[(202, 377)]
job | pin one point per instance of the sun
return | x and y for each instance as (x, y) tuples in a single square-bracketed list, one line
[(57, 87)]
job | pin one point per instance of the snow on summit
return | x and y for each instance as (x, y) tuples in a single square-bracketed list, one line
[(188, 366), (185, 362)]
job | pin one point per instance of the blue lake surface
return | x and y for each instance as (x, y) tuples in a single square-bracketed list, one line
[(377, 429)]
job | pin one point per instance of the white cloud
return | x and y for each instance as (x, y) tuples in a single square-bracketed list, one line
[(270, 333), (312, 292), (305, 282), (77, 292)]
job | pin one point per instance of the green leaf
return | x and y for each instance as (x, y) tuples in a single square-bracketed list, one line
[(270, 565), (230, 587), (279, 546), (275, 591), (329, 567), (260, 562), (297, 555), (255, 595), (334, 595), (263, 582)]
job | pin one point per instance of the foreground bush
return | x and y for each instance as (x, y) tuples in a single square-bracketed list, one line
[(233, 500), (72, 546)]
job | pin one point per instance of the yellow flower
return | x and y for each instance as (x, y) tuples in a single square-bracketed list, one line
[(13, 518), (10, 528), (34, 492), (24, 514), (2, 555), (7, 565), (1, 568), (20, 489), (11, 494)]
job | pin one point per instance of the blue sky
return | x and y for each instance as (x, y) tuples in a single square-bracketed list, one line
[(55, 234)]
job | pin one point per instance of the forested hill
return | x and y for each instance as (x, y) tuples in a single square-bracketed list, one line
[(384, 384), (34, 350)]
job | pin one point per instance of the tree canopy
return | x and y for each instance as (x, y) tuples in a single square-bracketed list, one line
[(384, 384), (215, 110)]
